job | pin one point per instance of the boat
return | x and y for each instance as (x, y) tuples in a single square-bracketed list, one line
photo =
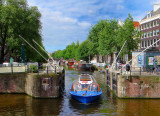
[(85, 66), (85, 89), (70, 63)]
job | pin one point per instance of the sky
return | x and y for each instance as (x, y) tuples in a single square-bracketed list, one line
[(67, 21)]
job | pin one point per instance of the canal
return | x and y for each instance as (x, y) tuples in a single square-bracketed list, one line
[(108, 104)]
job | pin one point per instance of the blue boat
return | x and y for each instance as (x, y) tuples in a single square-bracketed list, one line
[(86, 89)]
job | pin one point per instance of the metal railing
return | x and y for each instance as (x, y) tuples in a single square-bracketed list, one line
[(12, 68), (45, 69), (22, 68), (141, 71)]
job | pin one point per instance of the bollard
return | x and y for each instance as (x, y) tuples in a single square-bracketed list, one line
[(11, 68), (47, 69), (55, 70)]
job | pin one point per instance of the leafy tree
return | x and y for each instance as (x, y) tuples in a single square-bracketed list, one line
[(68, 53), (82, 51), (127, 32), (17, 18), (107, 38), (93, 37)]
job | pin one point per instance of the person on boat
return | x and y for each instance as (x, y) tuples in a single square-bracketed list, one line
[(79, 87), (85, 88), (94, 88)]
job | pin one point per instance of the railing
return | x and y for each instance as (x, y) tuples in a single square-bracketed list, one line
[(141, 70), (12, 68), (13, 64), (45, 69), (22, 68)]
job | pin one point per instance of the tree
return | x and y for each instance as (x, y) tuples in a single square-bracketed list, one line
[(127, 32), (82, 51), (107, 38), (17, 18), (93, 37), (59, 54)]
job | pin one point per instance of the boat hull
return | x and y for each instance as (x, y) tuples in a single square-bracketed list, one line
[(88, 98), (85, 66)]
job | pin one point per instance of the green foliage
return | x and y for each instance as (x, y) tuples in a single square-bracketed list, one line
[(104, 38), (127, 32), (107, 38), (82, 51), (68, 53), (33, 68), (17, 18), (93, 36)]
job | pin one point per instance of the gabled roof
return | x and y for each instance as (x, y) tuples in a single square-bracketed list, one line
[(136, 24), (153, 13)]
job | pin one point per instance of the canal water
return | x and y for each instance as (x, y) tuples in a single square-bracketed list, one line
[(108, 104)]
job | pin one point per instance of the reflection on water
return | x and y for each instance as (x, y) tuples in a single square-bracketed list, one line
[(108, 104)]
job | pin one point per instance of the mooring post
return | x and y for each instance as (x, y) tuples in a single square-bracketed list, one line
[(47, 69), (55, 69), (11, 68), (38, 70)]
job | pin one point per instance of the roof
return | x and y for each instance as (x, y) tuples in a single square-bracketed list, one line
[(153, 13), (136, 24)]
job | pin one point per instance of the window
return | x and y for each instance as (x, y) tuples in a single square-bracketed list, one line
[(151, 34), (147, 34), (142, 44), (145, 44), (141, 27), (151, 42), (157, 32), (154, 33), (144, 26), (151, 24), (154, 24), (147, 26), (142, 35), (154, 42), (157, 42), (148, 44), (157, 23)]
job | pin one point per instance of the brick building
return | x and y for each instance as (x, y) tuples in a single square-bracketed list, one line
[(150, 27)]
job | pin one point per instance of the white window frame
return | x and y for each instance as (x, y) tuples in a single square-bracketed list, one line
[(157, 43), (154, 40), (154, 32), (157, 23), (151, 34), (158, 32)]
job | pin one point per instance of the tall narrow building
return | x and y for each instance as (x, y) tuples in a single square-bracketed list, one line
[(150, 27)]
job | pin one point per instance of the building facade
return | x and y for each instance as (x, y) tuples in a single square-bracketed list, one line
[(150, 27)]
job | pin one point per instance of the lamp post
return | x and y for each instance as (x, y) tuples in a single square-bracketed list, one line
[(22, 54)]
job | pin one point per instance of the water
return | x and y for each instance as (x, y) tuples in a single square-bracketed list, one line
[(23, 105)]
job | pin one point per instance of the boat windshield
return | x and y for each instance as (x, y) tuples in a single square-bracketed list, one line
[(85, 87)]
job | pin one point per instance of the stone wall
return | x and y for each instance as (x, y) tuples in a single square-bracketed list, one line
[(139, 87), (135, 86), (12, 83), (42, 86), (33, 85)]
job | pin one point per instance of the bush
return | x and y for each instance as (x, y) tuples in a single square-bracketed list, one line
[(33, 68)]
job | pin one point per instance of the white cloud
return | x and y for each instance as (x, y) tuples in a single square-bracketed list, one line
[(155, 2), (66, 21)]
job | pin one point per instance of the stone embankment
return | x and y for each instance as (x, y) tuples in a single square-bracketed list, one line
[(142, 86), (38, 86)]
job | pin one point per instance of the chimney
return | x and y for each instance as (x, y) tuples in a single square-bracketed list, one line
[(156, 7)]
